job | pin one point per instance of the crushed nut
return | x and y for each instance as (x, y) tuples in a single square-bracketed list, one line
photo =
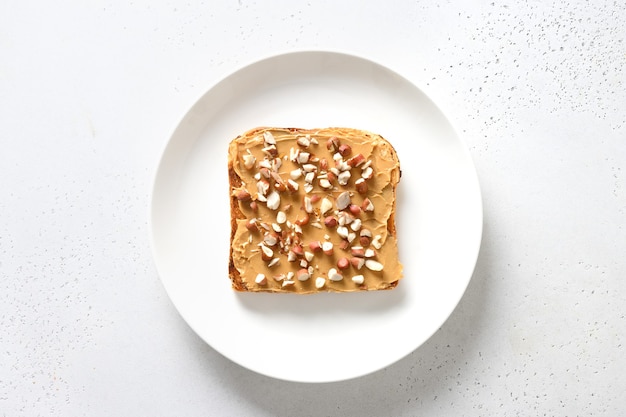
[(252, 226), (358, 279), (373, 265), (356, 160), (327, 247), (303, 274), (367, 205), (376, 242), (315, 246), (343, 178), (357, 262), (344, 150), (269, 138), (324, 183), (343, 263), (273, 262), (354, 209), (303, 221), (260, 279), (242, 195), (361, 186), (303, 157), (303, 141), (333, 275), (320, 282), (308, 205), (332, 144), (249, 160), (325, 206), (367, 173), (292, 185), (343, 200), (266, 253), (358, 251), (273, 200), (309, 167), (330, 221)]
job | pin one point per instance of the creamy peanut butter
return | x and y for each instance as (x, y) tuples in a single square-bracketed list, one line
[(288, 177)]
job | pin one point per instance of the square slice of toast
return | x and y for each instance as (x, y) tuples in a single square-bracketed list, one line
[(313, 210)]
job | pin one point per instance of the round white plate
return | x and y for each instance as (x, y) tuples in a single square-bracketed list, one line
[(321, 337)]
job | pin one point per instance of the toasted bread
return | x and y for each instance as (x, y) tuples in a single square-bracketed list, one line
[(313, 210)]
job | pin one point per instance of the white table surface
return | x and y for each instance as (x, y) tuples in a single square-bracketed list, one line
[(89, 94)]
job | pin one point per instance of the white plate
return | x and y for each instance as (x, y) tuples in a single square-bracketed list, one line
[(322, 337)]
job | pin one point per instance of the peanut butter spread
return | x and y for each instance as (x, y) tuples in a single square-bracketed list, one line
[(313, 211)]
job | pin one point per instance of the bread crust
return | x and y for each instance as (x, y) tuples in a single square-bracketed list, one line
[(235, 182)]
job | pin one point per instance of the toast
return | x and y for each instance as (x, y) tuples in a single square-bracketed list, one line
[(313, 210)]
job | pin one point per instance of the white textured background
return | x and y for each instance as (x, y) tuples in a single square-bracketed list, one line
[(90, 93)]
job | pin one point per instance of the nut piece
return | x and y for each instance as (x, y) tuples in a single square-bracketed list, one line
[(303, 274), (367, 205), (320, 282), (343, 263), (332, 144), (266, 253), (281, 217), (327, 247), (249, 161), (303, 221), (326, 205), (361, 186), (370, 253), (273, 200), (345, 150), (297, 249), (333, 275), (292, 185), (367, 173), (358, 251), (295, 174), (356, 160), (242, 195), (252, 226), (357, 262), (342, 231), (358, 279), (303, 141), (315, 246), (308, 205), (343, 200), (273, 262), (373, 265), (324, 183), (330, 221), (343, 178), (269, 138), (260, 279), (376, 242), (354, 209)]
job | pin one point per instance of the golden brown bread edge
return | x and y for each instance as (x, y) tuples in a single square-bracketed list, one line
[(236, 182)]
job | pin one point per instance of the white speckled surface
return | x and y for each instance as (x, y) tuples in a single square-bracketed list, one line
[(89, 95)]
